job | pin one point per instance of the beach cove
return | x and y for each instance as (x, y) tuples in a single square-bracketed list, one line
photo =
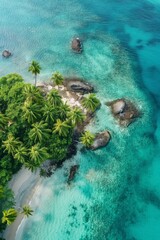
[(115, 194)]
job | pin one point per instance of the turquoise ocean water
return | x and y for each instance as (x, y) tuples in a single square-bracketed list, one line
[(116, 192)]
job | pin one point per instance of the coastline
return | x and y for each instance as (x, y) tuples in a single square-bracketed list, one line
[(24, 184)]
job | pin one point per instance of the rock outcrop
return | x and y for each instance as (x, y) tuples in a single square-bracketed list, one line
[(124, 110), (72, 173), (78, 85), (76, 45), (101, 140), (6, 53)]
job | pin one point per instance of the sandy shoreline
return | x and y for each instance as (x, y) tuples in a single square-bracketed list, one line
[(24, 185)]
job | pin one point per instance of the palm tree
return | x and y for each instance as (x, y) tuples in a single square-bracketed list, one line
[(32, 93), (30, 166), (31, 112), (57, 78), (39, 132), (27, 211), (38, 154), (54, 97), (87, 138), (35, 69), (11, 144), (3, 121), (76, 116), (63, 111), (91, 102), (9, 216), (62, 128), (21, 153), (49, 113)]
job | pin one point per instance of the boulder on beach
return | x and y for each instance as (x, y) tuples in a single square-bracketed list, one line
[(6, 53), (78, 85), (76, 45), (101, 140), (124, 110)]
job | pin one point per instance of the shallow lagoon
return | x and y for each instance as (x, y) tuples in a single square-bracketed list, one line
[(116, 192)]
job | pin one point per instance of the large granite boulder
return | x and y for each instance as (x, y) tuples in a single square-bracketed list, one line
[(124, 110), (6, 53), (101, 140), (78, 85), (76, 45)]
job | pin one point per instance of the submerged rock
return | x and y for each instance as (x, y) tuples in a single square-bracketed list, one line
[(78, 85), (72, 173), (101, 140), (6, 53), (124, 110), (76, 45)]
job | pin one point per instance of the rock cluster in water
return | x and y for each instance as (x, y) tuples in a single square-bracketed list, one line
[(101, 140), (6, 53), (77, 85), (76, 45), (72, 173), (124, 110)]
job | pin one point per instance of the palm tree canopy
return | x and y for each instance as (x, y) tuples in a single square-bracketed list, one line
[(61, 127), (32, 93), (11, 144), (38, 154), (63, 111), (57, 78), (34, 68), (54, 98), (3, 121), (9, 216), (76, 116), (21, 153), (87, 138), (91, 102), (31, 112), (39, 131), (49, 113), (27, 211)]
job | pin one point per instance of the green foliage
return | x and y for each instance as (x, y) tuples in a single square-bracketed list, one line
[(76, 116), (91, 102), (39, 132), (87, 138), (35, 69), (54, 98), (61, 127), (57, 78), (33, 128), (9, 216), (6, 202), (27, 211)]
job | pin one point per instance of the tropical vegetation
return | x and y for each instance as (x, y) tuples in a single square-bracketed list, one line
[(87, 138), (91, 102), (34, 126), (57, 78), (27, 211), (35, 69)]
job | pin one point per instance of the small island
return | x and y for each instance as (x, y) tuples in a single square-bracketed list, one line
[(41, 125)]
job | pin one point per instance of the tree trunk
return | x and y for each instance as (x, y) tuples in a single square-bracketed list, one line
[(35, 80)]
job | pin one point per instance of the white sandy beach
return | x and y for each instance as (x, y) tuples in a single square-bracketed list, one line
[(24, 185)]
